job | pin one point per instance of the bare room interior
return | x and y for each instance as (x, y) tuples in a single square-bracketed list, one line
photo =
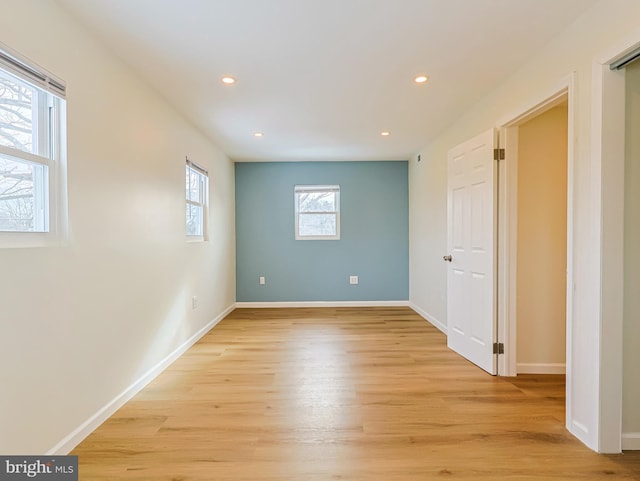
[(304, 239)]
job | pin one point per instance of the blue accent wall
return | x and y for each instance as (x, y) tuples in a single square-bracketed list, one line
[(374, 233)]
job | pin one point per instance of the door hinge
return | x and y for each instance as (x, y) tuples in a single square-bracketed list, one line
[(498, 348), (498, 154)]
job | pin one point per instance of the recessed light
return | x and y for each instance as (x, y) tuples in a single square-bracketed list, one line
[(258, 134), (421, 79), (228, 80), (385, 133)]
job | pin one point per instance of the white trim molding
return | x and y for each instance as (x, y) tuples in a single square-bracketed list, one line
[(608, 104), (266, 305), (631, 441), (429, 318), (561, 91), (580, 431), (81, 432)]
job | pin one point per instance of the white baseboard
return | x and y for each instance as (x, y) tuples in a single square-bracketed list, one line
[(541, 368), (580, 431), (81, 432), (431, 319), (631, 441), (259, 305)]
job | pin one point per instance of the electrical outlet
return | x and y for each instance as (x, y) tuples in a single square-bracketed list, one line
[(194, 302), (262, 280), (353, 279)]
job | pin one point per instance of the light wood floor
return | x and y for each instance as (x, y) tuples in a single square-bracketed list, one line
[(340, 394)]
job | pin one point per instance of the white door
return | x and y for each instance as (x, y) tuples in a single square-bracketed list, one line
[(471, 234)]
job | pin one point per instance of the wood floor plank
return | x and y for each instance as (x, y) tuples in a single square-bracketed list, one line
[(345, 393)]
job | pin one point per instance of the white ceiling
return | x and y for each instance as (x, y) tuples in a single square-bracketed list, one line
[(323, 78)]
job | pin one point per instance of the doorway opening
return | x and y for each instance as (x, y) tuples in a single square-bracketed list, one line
[(534, 238), (541, 242), (534, 242)]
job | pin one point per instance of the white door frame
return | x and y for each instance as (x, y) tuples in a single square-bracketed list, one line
[(508, 220), (508, 225), (608, 158)]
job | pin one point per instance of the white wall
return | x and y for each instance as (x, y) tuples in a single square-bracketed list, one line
[(631, 347), (83, 321), (542, 243), (607, 24), (428, 235)]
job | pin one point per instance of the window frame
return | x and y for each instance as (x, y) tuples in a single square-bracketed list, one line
[(48, 151), (192, 168), (299, 189)]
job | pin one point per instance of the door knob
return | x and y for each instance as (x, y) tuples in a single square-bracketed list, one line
[(447, 258)]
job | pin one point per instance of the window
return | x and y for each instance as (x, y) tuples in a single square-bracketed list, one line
[(31, 147), (317, 209), (196, 196)]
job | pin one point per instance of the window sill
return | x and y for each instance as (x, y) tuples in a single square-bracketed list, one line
[(191, 239), (318, 237)]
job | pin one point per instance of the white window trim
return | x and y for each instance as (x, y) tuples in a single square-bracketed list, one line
[(21, 67), (317, 188), (204, 204), (55, 139)]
